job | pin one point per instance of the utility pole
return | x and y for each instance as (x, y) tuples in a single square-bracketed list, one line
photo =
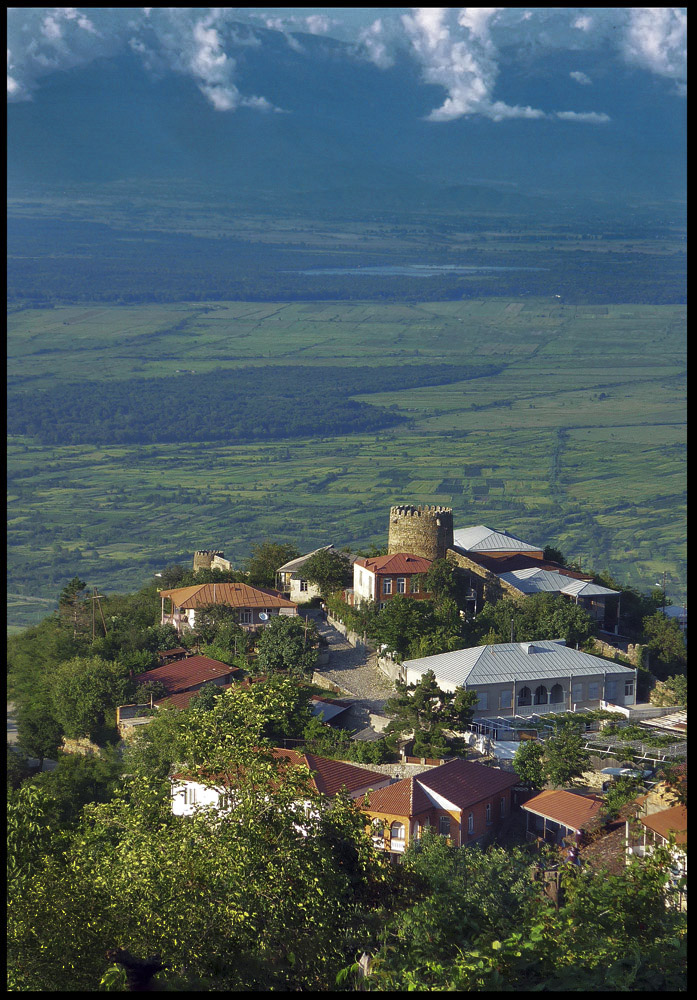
[(97, 597)]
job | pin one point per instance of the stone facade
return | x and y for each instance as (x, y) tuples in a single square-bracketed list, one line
[(210, 559), (422, 531)]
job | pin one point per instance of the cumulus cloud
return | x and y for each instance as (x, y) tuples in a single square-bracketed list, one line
[(580, 77), (456, 49), (194, 41), (656, 40)]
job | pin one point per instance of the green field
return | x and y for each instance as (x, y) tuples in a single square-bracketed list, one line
[(579, 442)]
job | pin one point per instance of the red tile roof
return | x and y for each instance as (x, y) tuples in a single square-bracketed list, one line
[(399, 562), (403, 798), (462, 783), (465, 783), (571, 810), (234, 595), (330, 776), (667, 821), (183, 674), (181, 699)]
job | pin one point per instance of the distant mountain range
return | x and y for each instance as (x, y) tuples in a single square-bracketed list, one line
[(353, 136)]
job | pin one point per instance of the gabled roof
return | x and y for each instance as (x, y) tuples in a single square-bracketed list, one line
[(459, 784), (330, 776), (534, 580), (509, 661), (398, 562), (480, 538), (234, 595), (295, 564), (465, 783), (182, 674), (182, 699), (571, 810), (402, 798), (667, 821)]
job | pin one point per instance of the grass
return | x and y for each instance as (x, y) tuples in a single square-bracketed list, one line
[(578, 443)]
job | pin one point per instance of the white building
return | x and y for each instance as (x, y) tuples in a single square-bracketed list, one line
[(526, 678)]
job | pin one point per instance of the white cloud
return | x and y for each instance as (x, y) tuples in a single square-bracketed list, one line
[(580, 77), (656, 40), (591, 117)]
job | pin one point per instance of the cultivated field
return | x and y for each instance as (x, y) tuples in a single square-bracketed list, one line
[(579, 442)]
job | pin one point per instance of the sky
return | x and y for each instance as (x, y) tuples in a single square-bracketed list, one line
[(459, 50)]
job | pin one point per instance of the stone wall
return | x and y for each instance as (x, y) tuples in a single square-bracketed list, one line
[(352, 637), (210, 559), (422, 531)]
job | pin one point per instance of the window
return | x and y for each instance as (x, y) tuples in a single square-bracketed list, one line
[(246, 617), (611, 689), (577, 692), (503, 806), (525, 696), (593, 691), (383, 604), (417, 830), (488, 812), (303, 585), (224, 800), (401, 585), (387, 585), (397, 831), (444, 826), (556, 695), (505, 699), (360, 577), (628, 689), (190, 795), (414, 585), (482, 701), (541, 695), (470, 823)]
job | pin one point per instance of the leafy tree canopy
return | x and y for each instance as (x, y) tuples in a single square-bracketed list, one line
[(330, 571), (287, 643), (266, 559), (430, 714)]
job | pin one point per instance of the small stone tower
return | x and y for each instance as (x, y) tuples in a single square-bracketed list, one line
[(207, 558), (422, 531)]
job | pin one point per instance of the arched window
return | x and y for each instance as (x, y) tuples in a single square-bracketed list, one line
[(397, 831), (541, 695), (525, 696), (556, 696)]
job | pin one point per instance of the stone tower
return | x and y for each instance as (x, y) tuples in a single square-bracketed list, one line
[(207, 559), (422, 531)]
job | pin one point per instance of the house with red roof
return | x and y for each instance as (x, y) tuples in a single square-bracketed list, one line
[(660, 820), (556, 814), (461, 800), (189, 674), (255, 606), (381, 578), (327, 778)]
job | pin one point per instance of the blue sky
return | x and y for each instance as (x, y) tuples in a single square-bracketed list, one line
[(457, 49)]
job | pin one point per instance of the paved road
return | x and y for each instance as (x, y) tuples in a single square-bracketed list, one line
[(356, 673)]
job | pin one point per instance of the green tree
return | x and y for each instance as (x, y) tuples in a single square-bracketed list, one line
[(85, 692), (672, 691), (266, 559), (441, 579), (79, 779), (38, 731), (528, 763), (539, 616), (430, 714), (565, 759), (330, 571), (401, 623), (550, 554), (287, 643), (665, 644), (74, 608)]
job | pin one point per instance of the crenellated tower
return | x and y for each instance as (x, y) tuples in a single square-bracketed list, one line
[(422, 531)]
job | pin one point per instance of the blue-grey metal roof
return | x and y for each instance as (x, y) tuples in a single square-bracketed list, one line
[(544, 659), (535, 581), (480, 538)]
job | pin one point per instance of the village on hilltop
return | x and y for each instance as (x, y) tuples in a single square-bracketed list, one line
[(517, 693)]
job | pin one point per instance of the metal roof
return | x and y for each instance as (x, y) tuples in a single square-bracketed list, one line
[(299, 561), (544, 659), (480, 538), (535, 581)]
